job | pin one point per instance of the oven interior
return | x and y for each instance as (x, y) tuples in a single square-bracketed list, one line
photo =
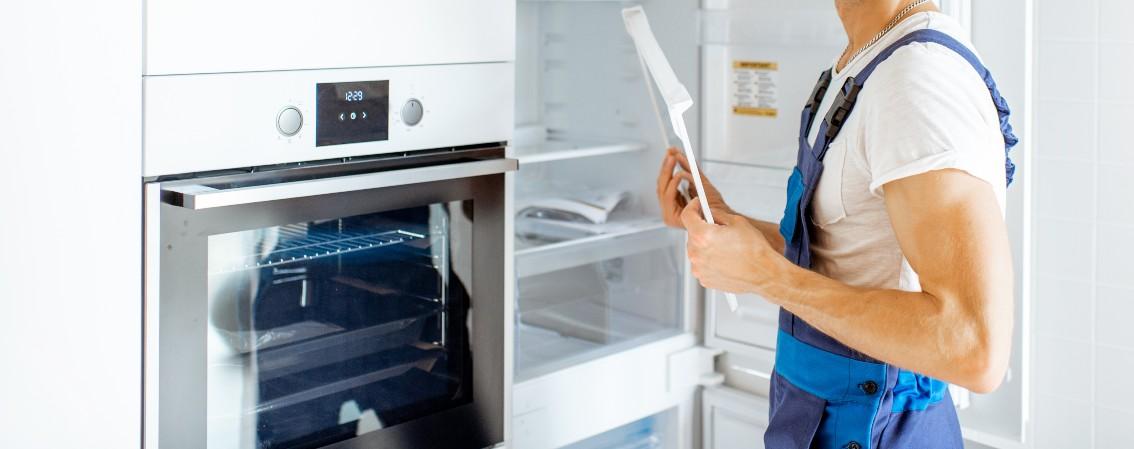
[(329, 329)]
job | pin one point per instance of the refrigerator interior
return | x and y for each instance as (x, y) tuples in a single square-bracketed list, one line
[(597, 270), (585, 127), (760, 60)]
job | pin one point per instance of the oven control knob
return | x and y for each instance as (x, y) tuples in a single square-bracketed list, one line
[(289, 121), (412, 112)]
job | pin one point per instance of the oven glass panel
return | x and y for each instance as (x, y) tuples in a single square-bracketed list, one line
[(321, 331)]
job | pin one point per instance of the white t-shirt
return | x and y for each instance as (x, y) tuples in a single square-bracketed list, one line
[(923, 109)]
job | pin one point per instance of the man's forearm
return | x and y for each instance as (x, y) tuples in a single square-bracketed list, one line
[(771, 233), (913, 330)]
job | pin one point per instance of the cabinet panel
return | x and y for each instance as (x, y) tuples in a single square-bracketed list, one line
[(257, 35)]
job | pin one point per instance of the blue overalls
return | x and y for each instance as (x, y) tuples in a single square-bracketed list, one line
[(824, 394)]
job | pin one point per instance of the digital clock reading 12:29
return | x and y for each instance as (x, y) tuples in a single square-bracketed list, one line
[(352, 112)]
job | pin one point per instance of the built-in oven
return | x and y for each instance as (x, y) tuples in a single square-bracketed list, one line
[(329, 269)]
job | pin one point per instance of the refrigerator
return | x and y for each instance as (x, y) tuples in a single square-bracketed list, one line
[(616, 345)]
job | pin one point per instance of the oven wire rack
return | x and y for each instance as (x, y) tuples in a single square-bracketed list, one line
[(296, 243)]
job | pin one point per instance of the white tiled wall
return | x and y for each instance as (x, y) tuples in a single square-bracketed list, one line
[(1084, 224)]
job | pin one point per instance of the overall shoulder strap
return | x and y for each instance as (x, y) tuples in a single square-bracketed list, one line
[(844, 104)]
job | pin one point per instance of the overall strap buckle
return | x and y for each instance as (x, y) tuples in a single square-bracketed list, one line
[(841, 109), (819, 91)]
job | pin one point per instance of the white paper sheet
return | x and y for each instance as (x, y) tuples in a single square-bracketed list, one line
[(676, 97)]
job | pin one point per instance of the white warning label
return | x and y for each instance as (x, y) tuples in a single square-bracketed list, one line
[(754, 88)]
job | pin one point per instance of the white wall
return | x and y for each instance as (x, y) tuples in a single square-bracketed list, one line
[(1002, 32), (1084, 203), (70, 224)]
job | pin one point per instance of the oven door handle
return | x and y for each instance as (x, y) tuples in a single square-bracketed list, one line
[(199, 196)]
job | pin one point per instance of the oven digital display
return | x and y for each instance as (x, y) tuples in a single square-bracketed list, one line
[(352, 112)]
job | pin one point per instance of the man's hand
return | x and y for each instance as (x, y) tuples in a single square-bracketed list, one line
[(728, 256), (669, 193)]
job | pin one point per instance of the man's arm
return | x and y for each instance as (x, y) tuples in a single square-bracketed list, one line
[(950, 228)]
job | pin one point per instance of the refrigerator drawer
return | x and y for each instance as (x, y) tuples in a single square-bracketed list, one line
[(586, 399), (652, 432), (571, 309)]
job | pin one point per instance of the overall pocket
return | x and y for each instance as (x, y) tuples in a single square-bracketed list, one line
[(789, 224), (794, 416)]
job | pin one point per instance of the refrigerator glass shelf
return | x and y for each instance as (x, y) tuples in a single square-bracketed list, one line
[(298, 244), (557, 150), (573, 1), (648, 235)]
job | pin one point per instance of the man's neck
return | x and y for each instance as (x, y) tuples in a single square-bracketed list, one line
[(863, 19)]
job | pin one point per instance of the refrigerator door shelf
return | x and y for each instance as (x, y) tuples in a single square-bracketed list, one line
[(732, 419), (694, 367)]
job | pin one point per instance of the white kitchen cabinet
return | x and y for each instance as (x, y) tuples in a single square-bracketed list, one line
[(611, 329), (260, 35)]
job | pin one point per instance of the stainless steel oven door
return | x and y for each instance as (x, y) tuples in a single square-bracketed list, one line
[(338, 306)]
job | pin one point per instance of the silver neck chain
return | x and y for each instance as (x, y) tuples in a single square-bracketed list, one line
[(889, 26)]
